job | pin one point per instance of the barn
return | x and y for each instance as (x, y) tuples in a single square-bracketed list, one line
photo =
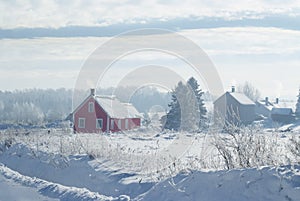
[(98, 114), (234, 108), (278, 111), (282, 115), (264, 107)]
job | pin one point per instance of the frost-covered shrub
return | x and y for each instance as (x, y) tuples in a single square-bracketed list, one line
[(294, 147), (247, 147)]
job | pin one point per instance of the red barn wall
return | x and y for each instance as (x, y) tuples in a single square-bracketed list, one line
[(132, 123), (99, 113), (90, 117)]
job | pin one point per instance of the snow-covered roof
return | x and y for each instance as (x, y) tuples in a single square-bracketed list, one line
[(132, 111), (285, 104), (263, 104), (242, 98), (115, 109), (282, 111)]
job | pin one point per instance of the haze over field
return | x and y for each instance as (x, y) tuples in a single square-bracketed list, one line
[(45, 44)]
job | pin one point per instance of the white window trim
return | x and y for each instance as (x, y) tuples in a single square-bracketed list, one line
[(120, 124), (126, 123), (112, 124), (79, 119), (97, 126), (91, 107)]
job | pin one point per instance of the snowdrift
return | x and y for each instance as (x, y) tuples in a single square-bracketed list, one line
[(81, 177), (265, 184)]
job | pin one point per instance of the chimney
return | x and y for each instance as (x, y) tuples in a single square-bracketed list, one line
[(93, 92), (233, 89), (267, 101), (277, 100)]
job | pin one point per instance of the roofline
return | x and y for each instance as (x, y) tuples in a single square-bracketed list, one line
[(220, 97), (284, 108), (102, 108), (81, 104), (114, 98), (253, 103), (229, 93), (264, 103), (85, 100)]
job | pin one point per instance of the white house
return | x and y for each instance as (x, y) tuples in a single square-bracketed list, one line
[(234, 108), (279, 111)]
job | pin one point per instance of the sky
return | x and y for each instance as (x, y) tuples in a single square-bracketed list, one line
[(44, 44)]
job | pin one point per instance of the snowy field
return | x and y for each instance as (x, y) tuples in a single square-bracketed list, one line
[(149, 165)]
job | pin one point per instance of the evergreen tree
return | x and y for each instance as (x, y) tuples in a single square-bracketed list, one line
[(201, 109), (187, 109), (173, 117), (298, 106)]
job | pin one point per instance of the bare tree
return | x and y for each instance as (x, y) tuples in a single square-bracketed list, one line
[(250, 91)]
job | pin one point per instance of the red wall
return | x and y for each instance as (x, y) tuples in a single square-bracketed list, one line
[(135, 122), (99, 113), (132, 123), (90, 117)]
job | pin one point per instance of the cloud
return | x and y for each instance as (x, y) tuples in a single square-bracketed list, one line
[(226, 41), (56, 14), (256, 54), (40, 49), (176, 24), (255, 40), (246, 41)]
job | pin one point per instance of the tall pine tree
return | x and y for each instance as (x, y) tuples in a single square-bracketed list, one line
[(297, 112), (173, 117), (198, 93), (187, 109)]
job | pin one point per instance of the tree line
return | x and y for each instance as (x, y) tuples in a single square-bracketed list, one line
[(40, 106), (34, 106)]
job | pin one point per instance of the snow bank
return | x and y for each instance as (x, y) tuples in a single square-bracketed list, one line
[(294, 128), (79, 171), (266, 184), (54, 190), (73, 176)]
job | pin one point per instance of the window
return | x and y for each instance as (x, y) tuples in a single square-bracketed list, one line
[(91, 107), (81, 123), (112, 124), (119, 124), (126, 123), (99, 123)]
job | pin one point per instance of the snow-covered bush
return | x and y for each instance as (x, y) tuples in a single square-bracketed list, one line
[(294, 147), (297, 112), (247, 147)]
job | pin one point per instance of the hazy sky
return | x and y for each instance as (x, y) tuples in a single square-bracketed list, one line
[(44, 44)]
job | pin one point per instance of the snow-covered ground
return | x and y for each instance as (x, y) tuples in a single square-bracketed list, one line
[(262, 184), (32, 188), (11, 190), (145, 165)]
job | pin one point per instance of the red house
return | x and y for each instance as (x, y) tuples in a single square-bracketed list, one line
[(104, 114)]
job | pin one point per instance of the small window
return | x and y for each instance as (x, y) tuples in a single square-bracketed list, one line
[(99, 123), (81, 123), (119, 124), (126, 123), (91, 107), (112, 124)]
